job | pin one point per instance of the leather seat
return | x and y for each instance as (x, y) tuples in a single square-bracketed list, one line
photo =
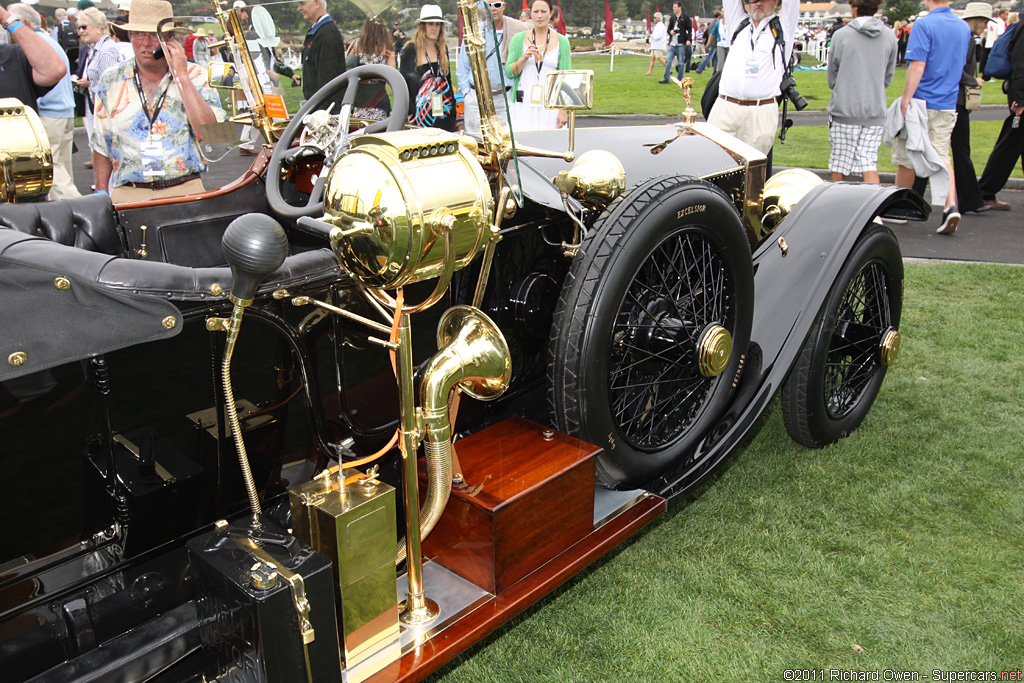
[(85, 222)]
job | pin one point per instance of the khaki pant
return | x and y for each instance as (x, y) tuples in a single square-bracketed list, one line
[(127, 193), (940, 130), (754, 125), (60, 132)]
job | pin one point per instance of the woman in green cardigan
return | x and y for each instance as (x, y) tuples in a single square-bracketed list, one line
[(532, 55)]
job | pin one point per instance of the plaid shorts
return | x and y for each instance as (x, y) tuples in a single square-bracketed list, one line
[(854, 148)]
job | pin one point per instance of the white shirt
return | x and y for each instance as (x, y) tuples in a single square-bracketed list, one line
[(659, 36), (996, 27), (754, 68)]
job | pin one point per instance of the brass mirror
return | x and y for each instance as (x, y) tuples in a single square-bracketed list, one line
[(570, 90), (222, 75)]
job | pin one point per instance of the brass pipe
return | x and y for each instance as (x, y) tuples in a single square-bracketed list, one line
[(416, 609)]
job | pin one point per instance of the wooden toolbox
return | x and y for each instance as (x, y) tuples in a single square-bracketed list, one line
[(528, 495)]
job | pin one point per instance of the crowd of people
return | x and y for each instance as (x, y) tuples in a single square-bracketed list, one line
[(143, 106)]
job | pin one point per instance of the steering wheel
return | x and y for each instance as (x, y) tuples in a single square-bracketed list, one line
[(349, 81)]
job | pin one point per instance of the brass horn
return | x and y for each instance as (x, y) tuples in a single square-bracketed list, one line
[(473, 355)]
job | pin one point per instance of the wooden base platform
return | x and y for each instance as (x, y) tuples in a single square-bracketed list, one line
[(514, 464)]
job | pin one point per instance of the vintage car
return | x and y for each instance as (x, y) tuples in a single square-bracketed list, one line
[(212, 405)]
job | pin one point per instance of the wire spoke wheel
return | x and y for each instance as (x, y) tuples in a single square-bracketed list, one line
[(841, 366), (662, 283), (656, 390)]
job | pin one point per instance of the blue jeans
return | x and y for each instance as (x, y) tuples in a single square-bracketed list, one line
[(677, 52), (710, 58)]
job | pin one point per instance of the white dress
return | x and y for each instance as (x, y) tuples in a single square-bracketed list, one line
[(527, 116)]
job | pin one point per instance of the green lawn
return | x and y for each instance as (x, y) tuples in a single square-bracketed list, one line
[(899, 548), (626, 90)]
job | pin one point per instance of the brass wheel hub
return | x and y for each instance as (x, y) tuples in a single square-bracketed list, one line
[(714, 350), (890, 346)]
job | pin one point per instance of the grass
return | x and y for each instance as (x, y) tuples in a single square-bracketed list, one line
[(900, 548), (807, 146), (627, 91)]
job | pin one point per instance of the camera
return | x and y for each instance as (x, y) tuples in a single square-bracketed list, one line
[(788, 88)]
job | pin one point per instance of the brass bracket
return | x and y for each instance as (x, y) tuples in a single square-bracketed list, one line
[(298, 589), (218, 324), (134, 450)]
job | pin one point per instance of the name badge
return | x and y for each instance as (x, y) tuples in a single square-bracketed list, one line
[(436, 104), (153, 159), (751, 67), (537, 95)]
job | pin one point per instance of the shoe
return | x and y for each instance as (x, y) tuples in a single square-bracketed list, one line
[(998, 205), (88, 164), (981, 209), (246, 152), (663, 81), (950, 219)]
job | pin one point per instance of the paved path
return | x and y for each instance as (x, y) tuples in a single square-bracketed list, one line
[(996, 236)]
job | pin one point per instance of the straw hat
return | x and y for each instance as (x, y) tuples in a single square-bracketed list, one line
[(977, 10), (430, 14), (201, 32), (146, 14)]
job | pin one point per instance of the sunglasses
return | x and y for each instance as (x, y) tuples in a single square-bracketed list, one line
[(496, 5)]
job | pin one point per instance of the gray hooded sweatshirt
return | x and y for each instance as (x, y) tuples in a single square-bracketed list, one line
[(860, 67)]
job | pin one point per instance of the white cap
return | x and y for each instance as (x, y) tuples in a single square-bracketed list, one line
[(238, 4)]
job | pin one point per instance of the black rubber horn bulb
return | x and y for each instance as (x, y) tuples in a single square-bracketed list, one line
[(255, 245)]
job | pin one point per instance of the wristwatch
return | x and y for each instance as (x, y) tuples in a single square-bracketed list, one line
[(9, 21)]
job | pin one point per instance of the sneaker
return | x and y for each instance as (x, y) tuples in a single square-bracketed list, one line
[(950, 219), (662, 81)]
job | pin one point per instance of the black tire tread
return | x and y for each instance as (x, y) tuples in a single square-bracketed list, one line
[(802, 423), (600, 245)]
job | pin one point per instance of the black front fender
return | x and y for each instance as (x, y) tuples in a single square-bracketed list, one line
[(791, 283)]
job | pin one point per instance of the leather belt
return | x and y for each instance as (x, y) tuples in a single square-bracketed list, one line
[(749, 103), (164, 184)]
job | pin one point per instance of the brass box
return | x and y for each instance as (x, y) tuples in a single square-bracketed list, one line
[(354, 525)]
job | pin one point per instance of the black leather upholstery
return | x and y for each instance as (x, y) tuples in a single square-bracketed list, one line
[(163, 280), (84, 222)]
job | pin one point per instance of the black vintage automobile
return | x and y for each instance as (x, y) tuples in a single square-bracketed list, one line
[(202, 396)]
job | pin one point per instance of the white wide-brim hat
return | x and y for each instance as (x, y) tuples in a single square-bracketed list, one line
[(977, 10), (430, 14)]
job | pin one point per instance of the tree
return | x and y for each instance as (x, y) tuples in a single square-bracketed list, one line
[(901, 10)]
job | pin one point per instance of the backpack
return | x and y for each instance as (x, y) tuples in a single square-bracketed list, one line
[(67, 37), (998, 64)]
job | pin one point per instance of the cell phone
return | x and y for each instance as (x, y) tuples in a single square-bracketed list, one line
[(158, 53)]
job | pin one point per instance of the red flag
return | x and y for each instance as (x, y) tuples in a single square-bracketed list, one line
[(607, 24), (657, 9), (525, 6), (561, 18), (459, 14), (648, 23)]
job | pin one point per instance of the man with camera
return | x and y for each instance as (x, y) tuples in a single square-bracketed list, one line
[(755, 73)]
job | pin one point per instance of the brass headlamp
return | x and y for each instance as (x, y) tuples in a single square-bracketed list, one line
[(392, 197)]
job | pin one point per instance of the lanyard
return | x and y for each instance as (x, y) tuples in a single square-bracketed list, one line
[(145, 107), (547, 37)]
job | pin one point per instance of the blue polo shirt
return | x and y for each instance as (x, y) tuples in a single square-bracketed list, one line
[(940, 40)]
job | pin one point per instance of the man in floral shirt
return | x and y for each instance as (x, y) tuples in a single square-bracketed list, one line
[(148, 114)]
